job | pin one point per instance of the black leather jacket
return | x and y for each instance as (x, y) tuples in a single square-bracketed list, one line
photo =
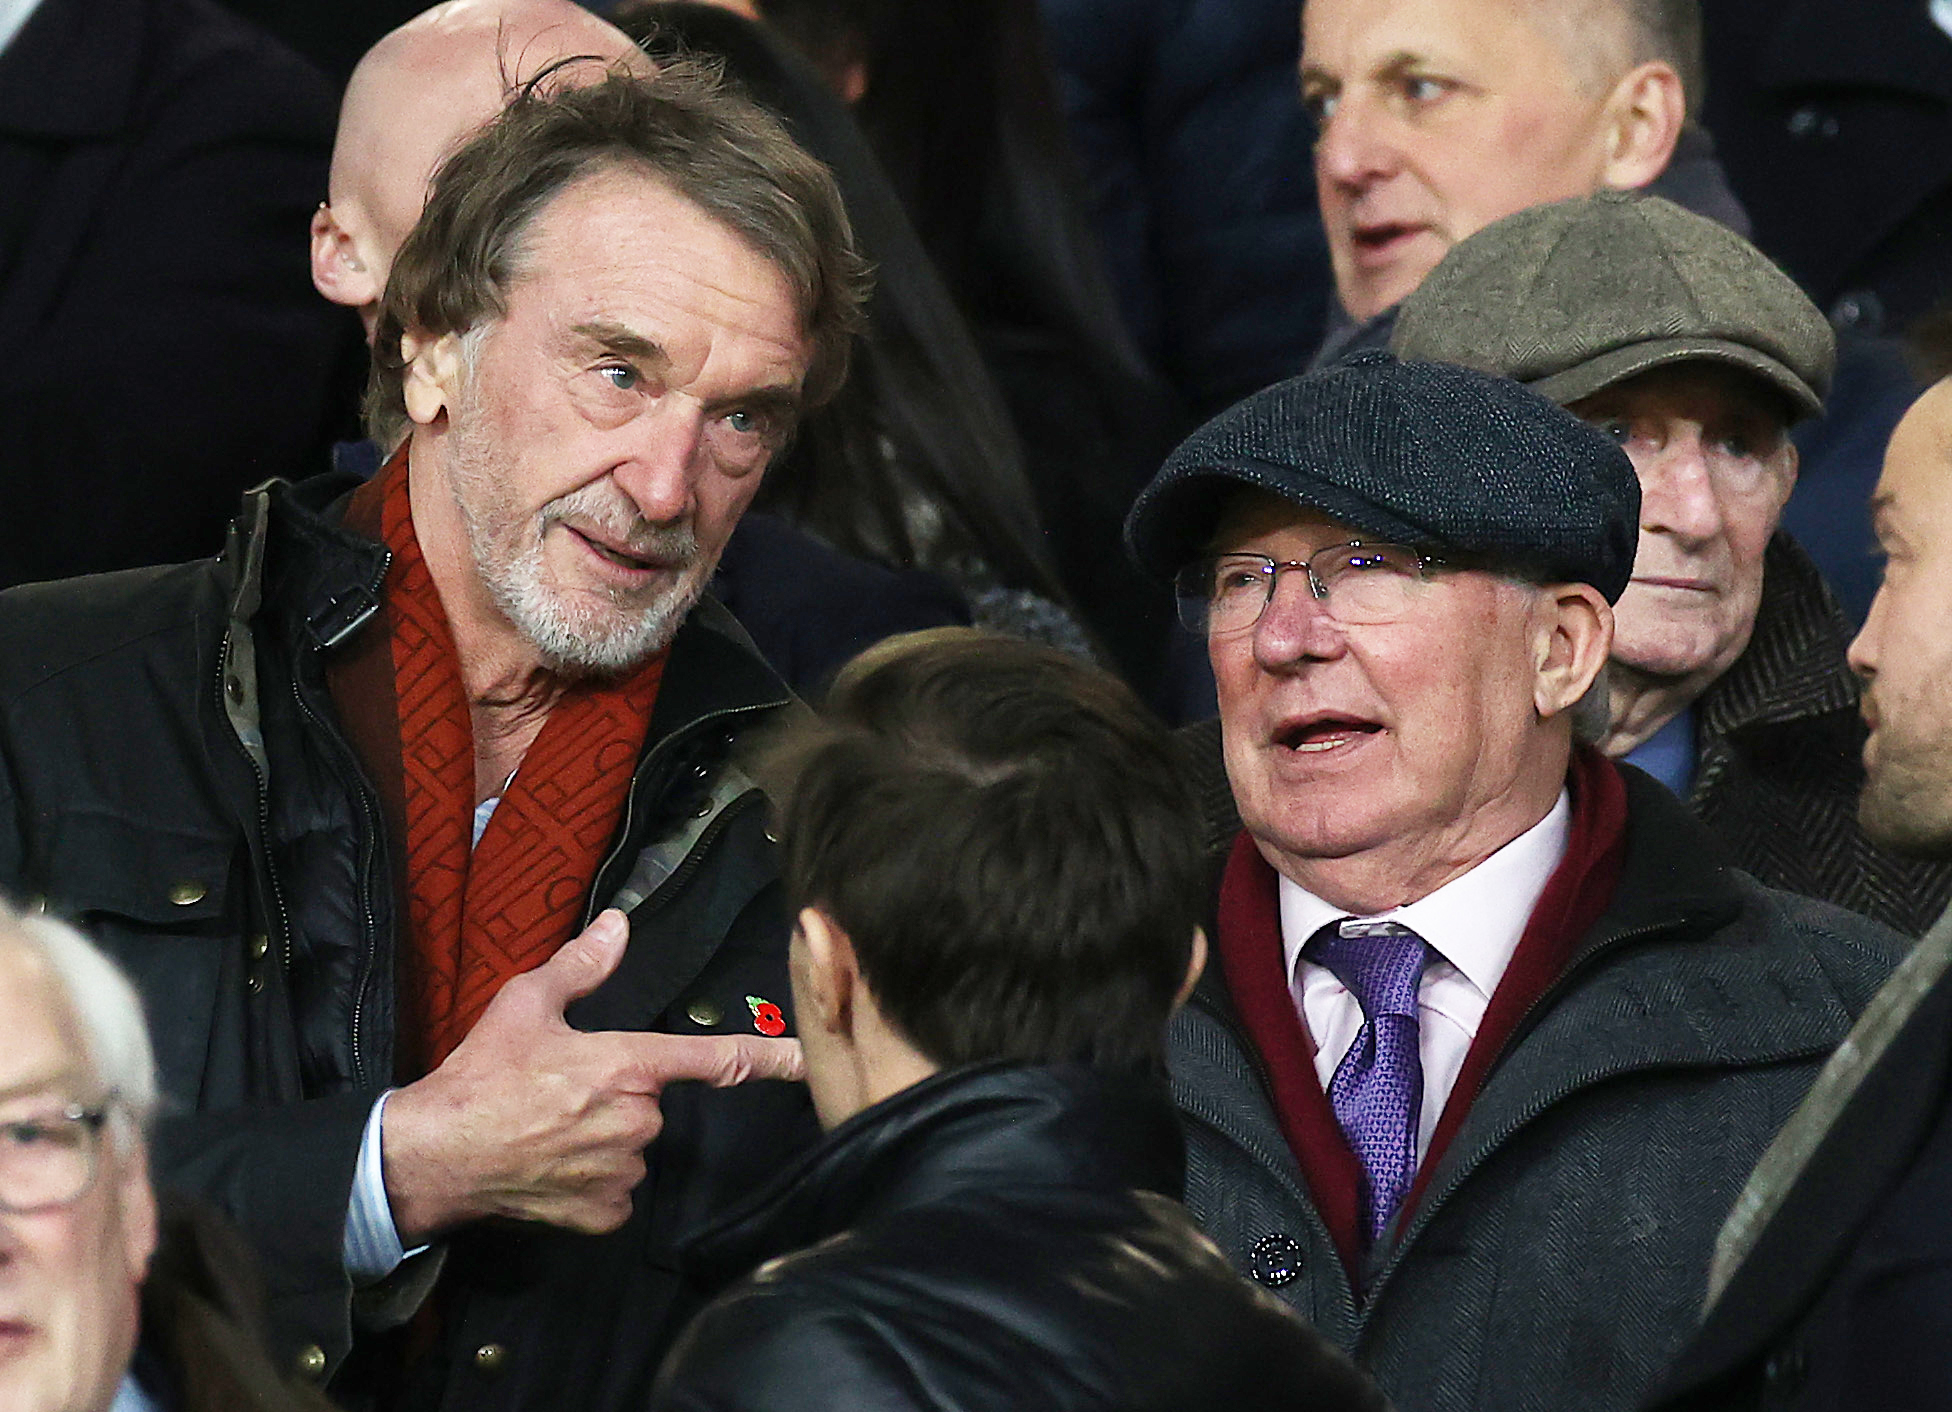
[(172, 776), (995, 1237)]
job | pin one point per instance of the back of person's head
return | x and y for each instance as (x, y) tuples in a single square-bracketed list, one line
[(1005, 836), (686, 128)]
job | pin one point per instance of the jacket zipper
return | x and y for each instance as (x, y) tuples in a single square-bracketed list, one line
[(371, 932), (280, 917)]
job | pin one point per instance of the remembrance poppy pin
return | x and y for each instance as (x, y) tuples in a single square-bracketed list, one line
[(766, 1017)]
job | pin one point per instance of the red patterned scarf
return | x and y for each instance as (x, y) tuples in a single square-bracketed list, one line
[(476, 917)]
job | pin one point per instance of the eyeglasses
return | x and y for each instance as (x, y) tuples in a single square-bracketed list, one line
[(48, 1160), (1357, 584)]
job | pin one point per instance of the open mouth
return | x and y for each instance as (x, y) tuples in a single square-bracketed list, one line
[(1379, 241), (619, 557), (1319, 734)]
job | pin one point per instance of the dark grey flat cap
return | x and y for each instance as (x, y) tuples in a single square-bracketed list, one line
[(1573, 297), (1424, 454)]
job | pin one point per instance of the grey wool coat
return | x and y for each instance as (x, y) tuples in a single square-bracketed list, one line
[(1559, 1253)]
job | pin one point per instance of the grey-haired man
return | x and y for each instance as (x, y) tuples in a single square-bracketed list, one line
[(1728, 681), (1490, 1040)]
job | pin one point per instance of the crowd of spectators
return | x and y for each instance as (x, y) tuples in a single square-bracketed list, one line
[(1360, 564)]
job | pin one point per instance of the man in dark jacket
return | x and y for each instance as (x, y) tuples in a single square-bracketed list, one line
[(999, 907), (1727, 680), (343, 801), (1494, 1035), (1832, 1281), (158, 159)]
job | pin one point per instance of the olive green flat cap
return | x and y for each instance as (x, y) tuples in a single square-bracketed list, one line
[(1578, 295)]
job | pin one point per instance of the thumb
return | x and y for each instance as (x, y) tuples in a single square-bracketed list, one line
[(583, 962)]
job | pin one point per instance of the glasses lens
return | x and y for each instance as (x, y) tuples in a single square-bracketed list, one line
[(47, 1159), (1224, 594), (1368, 583)]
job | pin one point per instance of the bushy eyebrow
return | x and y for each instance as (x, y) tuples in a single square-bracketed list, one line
[(1393, 65), (613, 337)]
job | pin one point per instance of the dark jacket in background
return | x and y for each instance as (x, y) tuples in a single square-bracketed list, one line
[(1196, 152), (161, 345), (1559, 1251), (1779, 751), (1844, 1302), (1834, 120), (1000, 1237), (203, 1344), (173, 777)]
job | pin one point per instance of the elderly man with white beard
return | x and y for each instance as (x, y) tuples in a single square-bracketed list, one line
[(418, 818)]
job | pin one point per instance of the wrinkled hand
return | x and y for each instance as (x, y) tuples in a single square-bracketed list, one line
[(533, 1120)]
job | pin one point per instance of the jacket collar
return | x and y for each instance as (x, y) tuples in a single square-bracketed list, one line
[(984, 1129), (1794, 666)]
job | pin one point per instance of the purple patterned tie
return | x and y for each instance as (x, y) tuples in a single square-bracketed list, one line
[(1378, 1087)]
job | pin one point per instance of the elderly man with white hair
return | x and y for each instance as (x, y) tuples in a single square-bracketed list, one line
[(78, 1220)]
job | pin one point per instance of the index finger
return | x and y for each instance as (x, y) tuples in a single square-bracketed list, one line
[(650, 1061)]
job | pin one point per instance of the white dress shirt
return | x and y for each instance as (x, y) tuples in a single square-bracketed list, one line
[(13, 14), (1473, 925)]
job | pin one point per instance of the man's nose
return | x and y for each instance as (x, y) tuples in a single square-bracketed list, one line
[(1353, 146), (1677, 489), (658, 462), (1863, 651), (1295, 626)]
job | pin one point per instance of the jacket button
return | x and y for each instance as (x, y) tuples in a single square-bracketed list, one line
[(311, 1361), (188, 892), (234, 689), (704, 808), (260, 947), (1275, 1260), (708, 1013), (490, 1357), (255, 983), (1784, 1369)]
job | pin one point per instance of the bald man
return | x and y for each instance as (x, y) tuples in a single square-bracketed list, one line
[(409, 103)]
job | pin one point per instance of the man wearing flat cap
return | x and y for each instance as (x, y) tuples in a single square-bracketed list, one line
[(1728, 680), (1491, 1039)]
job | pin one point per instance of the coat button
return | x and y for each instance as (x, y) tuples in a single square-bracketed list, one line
[(311, 1361), (1811, 121), (234, 689), (490, 1357), (704, 808), (255, 983), (1275, 1260), (1784, 1369), (708, 1013), (188, 892), (260, 947)]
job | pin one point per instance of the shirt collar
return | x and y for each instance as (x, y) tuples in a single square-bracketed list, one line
[(1474, 921), (13, 14), (131, 1398)]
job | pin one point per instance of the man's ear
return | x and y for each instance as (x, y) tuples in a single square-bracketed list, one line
[(432, 383), (137, 1198), (1572, 637), (1646, 112), (338, 270), (833, 975), (1195, 965)]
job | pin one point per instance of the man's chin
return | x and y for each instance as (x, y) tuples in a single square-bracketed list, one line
[(1907, 814), (604, 639)]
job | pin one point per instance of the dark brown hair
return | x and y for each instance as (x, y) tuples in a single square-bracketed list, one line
[(1006, 836), (714, 147)]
